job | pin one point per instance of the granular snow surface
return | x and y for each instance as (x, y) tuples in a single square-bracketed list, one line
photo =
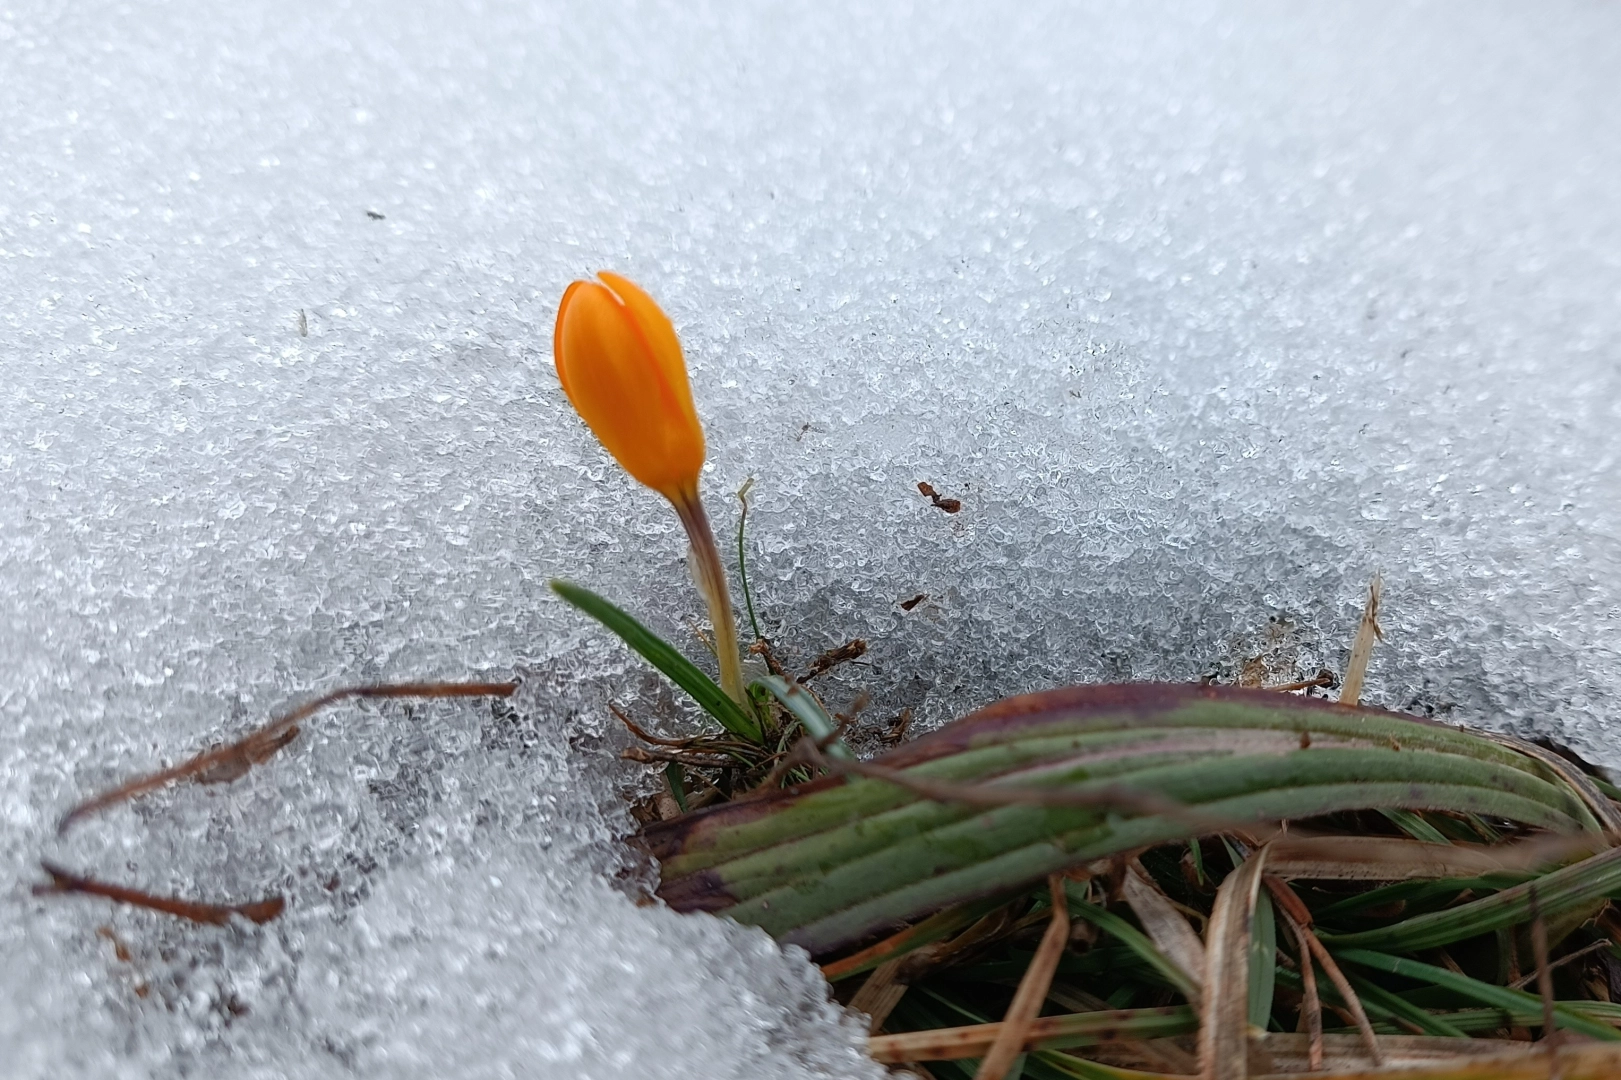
[(1205, 313)]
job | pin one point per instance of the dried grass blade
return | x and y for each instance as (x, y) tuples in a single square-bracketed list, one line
[(229, 762), (1167, 927), (1590, 1062), (1367, 632), (1032, 990), (1290, 1052), (1224, 1017), (1378, 858), (879, 995), (1298, 918), (1139, 943), (1348, 995), (1078, 1029), (914, 937)]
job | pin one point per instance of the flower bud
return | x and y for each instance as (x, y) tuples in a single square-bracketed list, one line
[(621, 367)]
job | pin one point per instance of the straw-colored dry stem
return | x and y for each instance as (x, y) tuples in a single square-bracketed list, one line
[(880, 994), (1032, 990), (711, 580), (1367, 632)]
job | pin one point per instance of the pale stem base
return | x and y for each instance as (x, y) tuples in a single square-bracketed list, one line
[(712, 583)]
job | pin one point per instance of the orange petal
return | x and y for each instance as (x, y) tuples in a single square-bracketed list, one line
[(613, 360), (557, 335), (655, 326)]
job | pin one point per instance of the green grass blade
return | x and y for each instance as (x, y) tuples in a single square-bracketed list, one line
[(1088, 1028), (1132, 938), (1376, 1000), (1383, 1008), (1425, 894), (678, 785), (662, 655), (1263, 961), (826, 864), (742, 562), (1485, 993), (1415, 826), (1565, 890), (809, 712)]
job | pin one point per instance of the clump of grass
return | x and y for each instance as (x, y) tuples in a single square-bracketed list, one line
[(1163, 881)]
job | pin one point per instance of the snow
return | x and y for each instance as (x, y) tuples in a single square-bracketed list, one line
[(1205, 314)]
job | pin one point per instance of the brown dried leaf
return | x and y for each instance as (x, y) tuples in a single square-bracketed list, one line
[(1224, 1017), (1167, 927)]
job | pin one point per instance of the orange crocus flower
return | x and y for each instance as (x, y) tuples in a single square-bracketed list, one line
[(620, 364)]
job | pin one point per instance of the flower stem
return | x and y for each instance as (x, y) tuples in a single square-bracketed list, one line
[(712, 583)]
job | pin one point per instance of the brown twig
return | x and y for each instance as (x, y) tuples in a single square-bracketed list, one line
[(646, 756), (1586, 950), (65, 881), (853, 649), (642, 733), (1322, 678), (794, 757), (229, 762)]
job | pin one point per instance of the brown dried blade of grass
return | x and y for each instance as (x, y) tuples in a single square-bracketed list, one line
[(222, 765), (1032, 991)]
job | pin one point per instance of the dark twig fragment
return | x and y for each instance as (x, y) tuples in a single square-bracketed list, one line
[(853, 649), (950, 506)]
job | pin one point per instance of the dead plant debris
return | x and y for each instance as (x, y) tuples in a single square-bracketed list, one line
[(950, 506)]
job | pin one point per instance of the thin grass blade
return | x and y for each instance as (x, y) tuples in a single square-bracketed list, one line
[(809, 712), (1572, 888), (663, 656)]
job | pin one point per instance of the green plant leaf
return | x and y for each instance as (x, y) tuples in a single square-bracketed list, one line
[(809, 712), (1132, 938), (742, 560), (827, 863), (662, 655), (1415, 826), (1564, 890), (678, 785), (1263, 961), (1485, 993)]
